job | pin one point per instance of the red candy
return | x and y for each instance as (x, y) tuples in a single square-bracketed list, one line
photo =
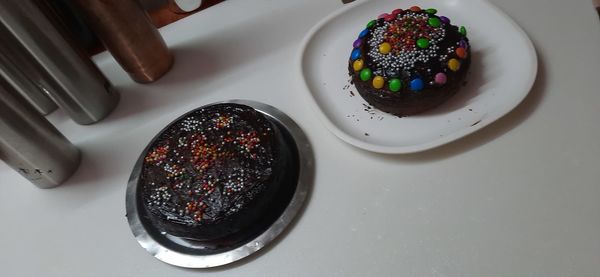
[(397, 11), (415, 8), (461, 52)]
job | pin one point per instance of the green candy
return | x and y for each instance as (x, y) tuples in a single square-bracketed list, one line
[(431, 11), (395, 85), (423, 43), (434, 22), (463, 30), (371, 24), (366, 74)]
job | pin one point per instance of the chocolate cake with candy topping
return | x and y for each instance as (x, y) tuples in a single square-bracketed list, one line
[(216, 171), (409, 61)]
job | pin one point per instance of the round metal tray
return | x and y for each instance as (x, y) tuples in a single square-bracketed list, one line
[(189, 253)]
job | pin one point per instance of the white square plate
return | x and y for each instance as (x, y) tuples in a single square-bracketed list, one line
[(503, 70)]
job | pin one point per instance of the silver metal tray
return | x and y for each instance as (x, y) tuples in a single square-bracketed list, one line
[(185, 253)]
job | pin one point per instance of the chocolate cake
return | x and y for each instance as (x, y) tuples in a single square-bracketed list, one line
[(214, 172), (409, 61)]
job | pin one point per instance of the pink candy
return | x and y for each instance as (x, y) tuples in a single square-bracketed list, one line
[(440, 78), (383, 15)]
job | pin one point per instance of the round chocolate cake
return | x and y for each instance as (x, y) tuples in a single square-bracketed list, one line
[(214, 172), (409, 61)]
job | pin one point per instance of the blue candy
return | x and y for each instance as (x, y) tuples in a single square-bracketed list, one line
[(417, 84), (363, 33), (355, 54)]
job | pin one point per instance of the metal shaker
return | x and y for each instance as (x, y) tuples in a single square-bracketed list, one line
[(126, 30), (23, 84), (31, 145), (73, 81)]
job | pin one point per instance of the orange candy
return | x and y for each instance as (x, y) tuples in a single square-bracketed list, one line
[(461, 52)]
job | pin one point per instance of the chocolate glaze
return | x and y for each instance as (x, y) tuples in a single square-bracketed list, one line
[(408, 102), (223, 170)]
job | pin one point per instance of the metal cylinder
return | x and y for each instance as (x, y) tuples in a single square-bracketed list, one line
[(24, 85), (31, 145), (73, 81), (126, 30)]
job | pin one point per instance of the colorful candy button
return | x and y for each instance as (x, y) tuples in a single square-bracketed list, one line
[(378, 82), (357, 43), (461, 52), (364, 33), (389, 17), (395, 85), (383, 15), (454, 64), (463, 30), (366, 74), (431, 11), (385, 48), (417, 84), (462, 43), (423, 43), (355, 54), (371, 24), (358, 65), (434, 22), (397, 11), (440, 78), (415, 8), (445, 19)]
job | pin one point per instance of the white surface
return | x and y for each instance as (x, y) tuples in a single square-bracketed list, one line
[(520, 197), (495, 84)]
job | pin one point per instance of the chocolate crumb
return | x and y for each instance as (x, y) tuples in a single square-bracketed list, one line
[(476, 123)]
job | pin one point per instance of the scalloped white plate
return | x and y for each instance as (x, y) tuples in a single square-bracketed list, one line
[(503, 70)]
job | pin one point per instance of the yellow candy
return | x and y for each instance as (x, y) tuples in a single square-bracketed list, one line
[(378, 82), (358, 65), (454, 64), (385, 48)]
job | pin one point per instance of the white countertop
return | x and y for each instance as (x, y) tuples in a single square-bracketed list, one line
[(519, 198)]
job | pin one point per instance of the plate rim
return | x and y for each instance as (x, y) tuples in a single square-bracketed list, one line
[(463, 132), (291, 212)]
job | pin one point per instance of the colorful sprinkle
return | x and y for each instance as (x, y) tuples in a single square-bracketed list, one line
[(423, 43), (366, 74), (461, 52), (415, 8), (454, 64), (364, 33), (431, 11), (395, 85), (440, 78), (385, 48), (355, 54), (417, 84), (434, 22), (371, 24), (357, 43), (358, 65), (378, 82), (463, 30)]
